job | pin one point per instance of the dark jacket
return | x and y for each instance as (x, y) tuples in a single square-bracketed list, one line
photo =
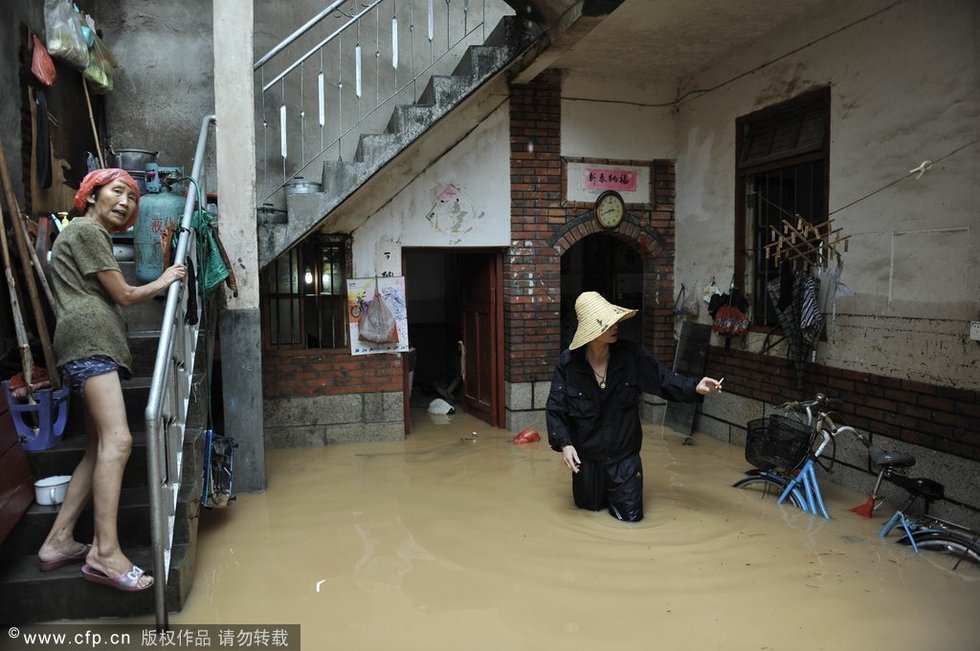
[(604, 424)]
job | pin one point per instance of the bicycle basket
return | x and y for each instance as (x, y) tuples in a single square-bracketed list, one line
[(776, 443)]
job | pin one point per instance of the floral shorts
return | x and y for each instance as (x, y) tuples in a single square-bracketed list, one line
[(75, 372)]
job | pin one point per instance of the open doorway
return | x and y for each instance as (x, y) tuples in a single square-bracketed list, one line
[(455, 330), (608, 265)]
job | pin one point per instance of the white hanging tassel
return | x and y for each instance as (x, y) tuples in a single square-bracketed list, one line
[(282, 130), (432, 26), (394, 43), (321, 99), (357, 70)]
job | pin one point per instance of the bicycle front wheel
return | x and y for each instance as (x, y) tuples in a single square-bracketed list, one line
[(949, 551), (768, 487)]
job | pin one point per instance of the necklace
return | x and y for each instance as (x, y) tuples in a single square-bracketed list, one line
[(600, 377)]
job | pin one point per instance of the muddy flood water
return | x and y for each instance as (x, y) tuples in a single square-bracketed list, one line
[(455, 540)]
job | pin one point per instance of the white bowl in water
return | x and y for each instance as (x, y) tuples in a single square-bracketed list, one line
[(51, 490)]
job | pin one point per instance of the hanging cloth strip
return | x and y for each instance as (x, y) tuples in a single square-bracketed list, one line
[(799, 316), (806, 294)]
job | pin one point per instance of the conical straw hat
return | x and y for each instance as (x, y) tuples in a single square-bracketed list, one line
[(595, 316)]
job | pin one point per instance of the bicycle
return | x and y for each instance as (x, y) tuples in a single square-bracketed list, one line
[(795, 482), (777, 447), (953, 543)]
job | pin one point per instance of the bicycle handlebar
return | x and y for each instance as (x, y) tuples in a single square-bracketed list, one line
[(823, 423), (806, 406), (803, 405)]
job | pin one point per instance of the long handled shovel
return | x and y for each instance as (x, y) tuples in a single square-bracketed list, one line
[(26, 361), (42, 326)]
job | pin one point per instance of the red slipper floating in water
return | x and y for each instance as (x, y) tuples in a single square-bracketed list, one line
[(50, 566), (127, 581)]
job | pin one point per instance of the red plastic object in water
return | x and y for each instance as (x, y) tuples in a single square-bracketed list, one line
[(865, 510), (527, 435)]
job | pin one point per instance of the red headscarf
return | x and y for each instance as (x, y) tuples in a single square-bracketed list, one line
[(98, 178)]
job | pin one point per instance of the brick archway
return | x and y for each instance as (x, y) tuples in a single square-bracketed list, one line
[(658, 273)]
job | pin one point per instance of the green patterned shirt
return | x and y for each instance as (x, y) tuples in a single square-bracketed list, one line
[(89, 322)]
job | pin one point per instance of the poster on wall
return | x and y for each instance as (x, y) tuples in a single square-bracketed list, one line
[(377, 315)]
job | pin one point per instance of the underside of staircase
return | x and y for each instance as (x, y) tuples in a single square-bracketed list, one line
[(28, 595), (388, 161)]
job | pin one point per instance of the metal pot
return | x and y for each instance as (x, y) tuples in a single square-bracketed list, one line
[(269, 214), (134, 159), (299, 185)]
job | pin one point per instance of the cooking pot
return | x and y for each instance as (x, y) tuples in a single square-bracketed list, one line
[(299, 185), (269, 214), (134, 159)]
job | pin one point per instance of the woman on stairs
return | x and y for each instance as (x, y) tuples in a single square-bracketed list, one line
[(92, 352)]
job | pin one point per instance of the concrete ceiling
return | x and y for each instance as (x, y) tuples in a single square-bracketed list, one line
[(654, 39)]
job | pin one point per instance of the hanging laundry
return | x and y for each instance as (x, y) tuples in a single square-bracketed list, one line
[(729, 313), (798, 314)]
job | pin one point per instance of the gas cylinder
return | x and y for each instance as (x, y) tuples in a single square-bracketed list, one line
[(158, 212)]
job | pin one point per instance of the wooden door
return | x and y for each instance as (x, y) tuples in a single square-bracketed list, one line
[(482, 332)]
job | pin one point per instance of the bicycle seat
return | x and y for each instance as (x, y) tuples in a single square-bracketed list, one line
[(880, 458), (927, 489)]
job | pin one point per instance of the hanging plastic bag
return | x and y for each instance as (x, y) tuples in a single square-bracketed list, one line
[(377, 323), (213, 270), (101, 67), (64, 33), (41, 63)]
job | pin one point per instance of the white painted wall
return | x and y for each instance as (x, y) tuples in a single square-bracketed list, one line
[(461, 200), (600, 118), (904, 88)]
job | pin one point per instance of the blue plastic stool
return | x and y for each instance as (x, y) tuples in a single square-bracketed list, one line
[(50, 406)]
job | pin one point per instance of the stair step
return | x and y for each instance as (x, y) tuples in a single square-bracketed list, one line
[(339, 176), (480, 61), (30, 596), (62, 458), (133, 515), (373, 149), (443, 91), (143, 347), (411, 119), (134, 525), (136, 392)]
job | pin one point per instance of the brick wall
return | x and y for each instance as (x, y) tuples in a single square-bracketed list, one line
[(544, 225), (936, 417), (532, 268), (292, 373)]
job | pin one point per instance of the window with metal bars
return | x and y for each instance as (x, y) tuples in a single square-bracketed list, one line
[(782, 156), (304, 295)]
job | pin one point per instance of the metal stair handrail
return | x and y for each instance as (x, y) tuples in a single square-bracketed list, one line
[(170, 391), (297, 122)]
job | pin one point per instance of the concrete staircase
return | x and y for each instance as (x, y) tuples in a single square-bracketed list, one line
[(26, 594), (464, 93)]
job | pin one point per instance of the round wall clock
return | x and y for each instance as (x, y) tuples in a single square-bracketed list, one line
[(609, 209)]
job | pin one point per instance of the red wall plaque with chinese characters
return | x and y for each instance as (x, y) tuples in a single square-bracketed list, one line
[(608, 178)]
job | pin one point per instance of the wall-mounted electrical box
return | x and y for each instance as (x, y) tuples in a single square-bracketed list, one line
[(975, 330)]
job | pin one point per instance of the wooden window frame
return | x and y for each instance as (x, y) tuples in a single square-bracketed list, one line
[(743, 252), (307, 256)]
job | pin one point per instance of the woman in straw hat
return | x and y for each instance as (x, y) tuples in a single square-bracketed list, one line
[(92, 353), (593, 408)]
